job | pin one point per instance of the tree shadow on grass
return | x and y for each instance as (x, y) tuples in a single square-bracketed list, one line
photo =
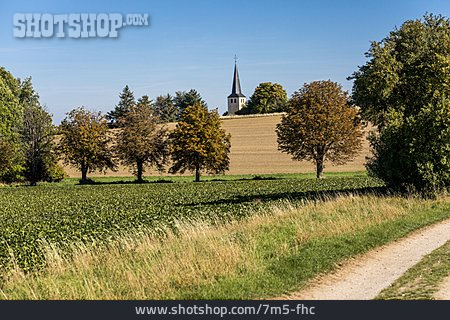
[(302, 195), (93, 182), (136, 182)]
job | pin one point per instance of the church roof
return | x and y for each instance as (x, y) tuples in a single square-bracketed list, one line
[(236, 88)]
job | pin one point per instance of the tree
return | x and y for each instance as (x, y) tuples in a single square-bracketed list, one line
[(198, 143), (11, 115), (165, 108), (403, 89), (406, 71), (185, 99), (36, 135), (413, 154), (145, 101), (11, 110), (85, 142), (267, 98), (6, 159), (125, 104), (320, 125), (141, 141)]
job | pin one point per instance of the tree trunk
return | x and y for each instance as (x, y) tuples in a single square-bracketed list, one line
[(320, 156), (84, 170), (140, 170), (197, 173), (319, 169)]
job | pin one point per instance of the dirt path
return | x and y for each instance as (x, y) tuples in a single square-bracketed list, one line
[(364, 277), (444, 290)]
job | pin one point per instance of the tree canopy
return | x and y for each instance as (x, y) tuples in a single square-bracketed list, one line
[(320, 125), (184, 99), (268, 98), (11, 109), (406, 71), (142, 142), (198, 143), (85, 142), (165, 108)]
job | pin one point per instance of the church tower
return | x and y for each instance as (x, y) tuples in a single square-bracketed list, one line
[(236, 100)]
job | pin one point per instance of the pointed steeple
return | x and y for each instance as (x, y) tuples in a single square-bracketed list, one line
[(236, 88), (236, 100)]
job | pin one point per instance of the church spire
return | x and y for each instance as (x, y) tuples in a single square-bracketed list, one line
[(236, 88), (236, 100)]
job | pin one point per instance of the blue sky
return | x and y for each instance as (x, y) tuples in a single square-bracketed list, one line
[(191, 44)]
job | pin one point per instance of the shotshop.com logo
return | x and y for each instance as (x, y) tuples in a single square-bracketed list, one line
[(74, 25)]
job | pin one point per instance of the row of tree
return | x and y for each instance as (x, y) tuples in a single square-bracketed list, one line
[(31, 146), (320, 124), (267, 98), (167, 108), (197, 144)]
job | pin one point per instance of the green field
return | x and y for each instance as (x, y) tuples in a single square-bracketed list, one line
[(62, 214), (229, 237)]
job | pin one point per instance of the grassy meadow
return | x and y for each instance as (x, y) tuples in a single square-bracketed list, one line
[(272, 252)]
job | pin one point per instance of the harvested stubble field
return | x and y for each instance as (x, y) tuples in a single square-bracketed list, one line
[(254, 150)]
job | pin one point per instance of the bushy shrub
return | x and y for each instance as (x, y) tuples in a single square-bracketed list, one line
[(56, 173), (413, 154)]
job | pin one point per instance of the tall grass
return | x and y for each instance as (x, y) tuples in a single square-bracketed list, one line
[(264, 255)]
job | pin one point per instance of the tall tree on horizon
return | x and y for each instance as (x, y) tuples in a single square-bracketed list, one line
[(145, 100), (184, 99), (268, 98), (126, 102), (166, 109), (36, 135)]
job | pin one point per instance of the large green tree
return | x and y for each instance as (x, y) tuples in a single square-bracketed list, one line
[(85, 142), (403, 89), (142, 142), (11, 116), (146, 102), (320, 125), (7, 157), (198, 143), (405, 71), (11, 109), (126, 102), (268, 98)]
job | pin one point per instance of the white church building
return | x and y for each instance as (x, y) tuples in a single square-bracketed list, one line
[(236, 100)]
